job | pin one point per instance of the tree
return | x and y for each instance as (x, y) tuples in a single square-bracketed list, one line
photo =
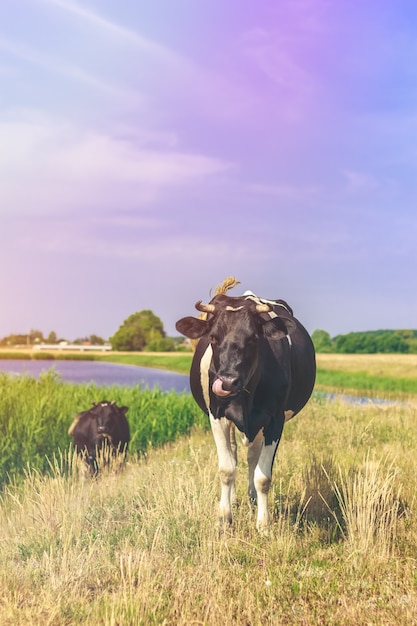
[(15, 340), (35, 336), (163, 344), (52, 338), (96, 340), (93, 340), (322, 341), (138, 331)]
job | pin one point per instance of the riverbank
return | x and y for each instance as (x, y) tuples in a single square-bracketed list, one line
[(382, 375)]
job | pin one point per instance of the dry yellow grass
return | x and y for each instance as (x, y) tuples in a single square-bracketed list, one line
[(395, 365)]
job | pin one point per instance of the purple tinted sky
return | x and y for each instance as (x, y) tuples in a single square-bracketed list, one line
[(150, 149)]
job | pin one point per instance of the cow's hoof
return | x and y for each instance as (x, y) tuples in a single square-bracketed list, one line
[(263, 530), (225, 525)]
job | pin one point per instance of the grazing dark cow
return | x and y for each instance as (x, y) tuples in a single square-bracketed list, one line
[(254, 368), (105, 424)]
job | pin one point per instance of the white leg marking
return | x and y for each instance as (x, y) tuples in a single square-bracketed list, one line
[(254, 450), (262, 482), (227, 464), (233, 448)]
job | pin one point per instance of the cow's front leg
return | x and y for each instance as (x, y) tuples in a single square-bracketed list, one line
[(221, 429), (233, 448)]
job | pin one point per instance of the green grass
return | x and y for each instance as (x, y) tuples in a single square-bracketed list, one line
[(365, 382), (175, 361)]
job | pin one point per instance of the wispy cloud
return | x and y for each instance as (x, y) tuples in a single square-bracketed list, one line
[(144, 245), (122, 33), (61, 67), (360, 181), (47, 164), (209, 90), (272, 55), (283, 190)]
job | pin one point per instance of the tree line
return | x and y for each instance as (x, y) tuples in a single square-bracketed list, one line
[(34, 337), (367, 342), (140, 331), (144, 330)]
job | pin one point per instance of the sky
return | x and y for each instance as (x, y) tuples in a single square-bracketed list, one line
[(148, 150)]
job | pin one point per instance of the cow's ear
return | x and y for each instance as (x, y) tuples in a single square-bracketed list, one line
[(191, 327), (279, 327), (124, 409)]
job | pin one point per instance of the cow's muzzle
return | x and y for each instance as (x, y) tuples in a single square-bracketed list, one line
[(225, 386)]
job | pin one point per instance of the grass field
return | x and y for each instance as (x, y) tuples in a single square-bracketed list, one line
[(141, 545), (394, 365)]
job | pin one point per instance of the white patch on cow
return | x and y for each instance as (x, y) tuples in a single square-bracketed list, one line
[(73, 425), (226, 452), (204, 374), (262, 481), (288, 415)]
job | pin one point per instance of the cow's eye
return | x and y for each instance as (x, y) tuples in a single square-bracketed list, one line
[(213, 339)]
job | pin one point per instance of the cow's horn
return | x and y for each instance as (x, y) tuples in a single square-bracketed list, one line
[(204, 308), (263, 308)]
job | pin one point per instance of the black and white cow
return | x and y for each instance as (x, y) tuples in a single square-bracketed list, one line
[(104, 426), (254, 368)]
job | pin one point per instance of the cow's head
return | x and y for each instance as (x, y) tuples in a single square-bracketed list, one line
[(106, 415), (234, 327)]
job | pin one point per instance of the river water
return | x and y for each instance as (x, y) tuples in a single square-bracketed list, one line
[(104, 374), (101, 373)]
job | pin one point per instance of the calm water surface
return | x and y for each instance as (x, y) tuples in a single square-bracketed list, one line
[(128, 375), (101, 373)]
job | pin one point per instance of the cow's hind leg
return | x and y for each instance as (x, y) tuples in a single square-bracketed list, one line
[(263, 471), (226, 453), (262, 482)]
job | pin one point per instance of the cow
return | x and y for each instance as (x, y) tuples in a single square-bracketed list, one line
[(254, 368), (101, 431)]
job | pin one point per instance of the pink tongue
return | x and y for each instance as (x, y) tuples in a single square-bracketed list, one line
[(218, 388)]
